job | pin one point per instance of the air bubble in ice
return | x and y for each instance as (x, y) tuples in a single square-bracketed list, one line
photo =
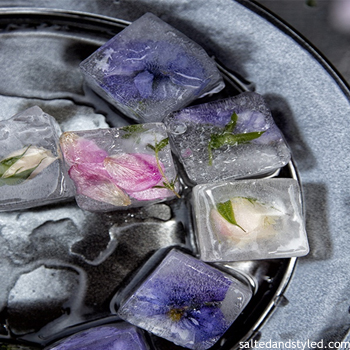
[(177, 128)]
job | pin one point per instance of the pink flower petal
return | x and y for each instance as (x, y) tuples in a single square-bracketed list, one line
[(93, 181), (151, 193), (77, 150), (133, 172)]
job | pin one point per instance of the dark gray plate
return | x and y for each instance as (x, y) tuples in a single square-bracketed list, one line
[(63, 265), (309, 102)]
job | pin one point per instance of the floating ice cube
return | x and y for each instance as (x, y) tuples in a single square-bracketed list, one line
[(249, 219), (186, 301), (227, 139), (31, 171), (120, 167), (151, 69), (118, 336)]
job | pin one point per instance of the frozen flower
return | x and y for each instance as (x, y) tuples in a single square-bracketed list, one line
[(93, 181), (119, 336), (113, 178), (24, 164), (243, 220), (138, 175), (149, 63), (182, 301), (151, 69), (79, 150), (133, 172)]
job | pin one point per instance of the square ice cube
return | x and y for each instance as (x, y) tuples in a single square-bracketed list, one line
[(227, 139), (186, 301), (249, 219), (31, 170), (118, 336), (150, 69), (120, 168)]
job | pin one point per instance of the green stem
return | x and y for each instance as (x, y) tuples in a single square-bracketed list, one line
[(166, 182)]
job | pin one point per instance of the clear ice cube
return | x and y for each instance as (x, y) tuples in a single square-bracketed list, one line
[(117, 336), (227, 139), (31, 170), (249, 219), (186, 301), (120, 168), (151, 69)]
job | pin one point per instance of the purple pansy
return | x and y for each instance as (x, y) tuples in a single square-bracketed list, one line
[(182, 300), (151, 69), (148, 63), (190, 305)]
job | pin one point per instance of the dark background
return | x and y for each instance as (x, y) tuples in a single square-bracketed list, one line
[(324, 23)]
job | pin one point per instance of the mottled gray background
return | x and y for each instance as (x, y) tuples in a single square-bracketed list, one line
[(326, 24)]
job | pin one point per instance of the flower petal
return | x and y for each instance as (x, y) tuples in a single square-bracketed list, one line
[(92, 180), (206, 323), (133, 172), (151, 193), (78, 150), (256, 221), (143, 82)]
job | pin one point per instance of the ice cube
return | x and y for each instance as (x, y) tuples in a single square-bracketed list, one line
[(117, 336), (249, 219), (31, 171), (120, 168), (227, 139), (186, 301), (151, 69)]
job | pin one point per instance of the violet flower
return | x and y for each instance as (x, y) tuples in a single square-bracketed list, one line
[(182, 300), (151, 69), (190, 308)]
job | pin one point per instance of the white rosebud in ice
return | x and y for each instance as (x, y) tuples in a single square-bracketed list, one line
[(24, 164), (244, 220)]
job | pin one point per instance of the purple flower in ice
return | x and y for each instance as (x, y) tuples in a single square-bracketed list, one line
[(190, 305), (185, 302), (151, 69), (117, 337)]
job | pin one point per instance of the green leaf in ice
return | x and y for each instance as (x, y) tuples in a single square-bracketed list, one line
[(227, 138), (18, 177), (7, 163), (132, 130), (230, 126), (219, 140), (225, 209), (158, 146)]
